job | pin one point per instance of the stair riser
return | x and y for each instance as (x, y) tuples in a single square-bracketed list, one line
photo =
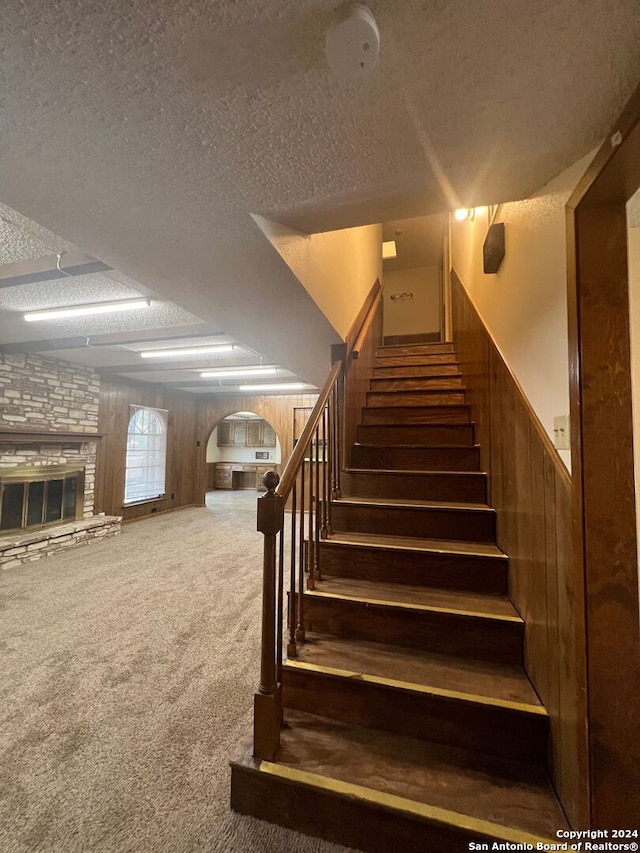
[(415, 349), (415, 360), (468, 488), (417, 415), (342, 819), (415, 398), (435, 569), (420, 370), (492, 730), (436, 631), (403, 434), (416, 458), (465, 525), (407, 383)]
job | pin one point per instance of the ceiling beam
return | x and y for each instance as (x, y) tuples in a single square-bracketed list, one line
[(49, 268), (146, 366), (114, 340)]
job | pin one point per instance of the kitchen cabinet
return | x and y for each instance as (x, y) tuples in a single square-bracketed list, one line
[(240, 475), (256, 433)]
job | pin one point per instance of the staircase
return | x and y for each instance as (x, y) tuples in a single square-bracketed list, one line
[(410, 722)]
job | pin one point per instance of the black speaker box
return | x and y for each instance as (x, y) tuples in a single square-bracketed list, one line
[(493, 248)]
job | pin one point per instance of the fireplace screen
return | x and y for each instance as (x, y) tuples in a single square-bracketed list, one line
[(38, 497)]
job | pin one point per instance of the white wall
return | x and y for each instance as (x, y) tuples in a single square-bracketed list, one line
[(240, 454), (419, 314), (336, 268), (524, 305)]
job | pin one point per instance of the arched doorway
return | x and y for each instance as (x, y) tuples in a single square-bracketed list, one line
[(240, 449)]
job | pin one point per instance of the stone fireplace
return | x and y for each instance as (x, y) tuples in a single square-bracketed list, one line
[(48, 449), (47, 488), (38, 497)]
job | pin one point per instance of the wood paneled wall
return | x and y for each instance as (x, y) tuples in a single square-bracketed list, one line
[(279, 411), (182, 454), (531, 491)]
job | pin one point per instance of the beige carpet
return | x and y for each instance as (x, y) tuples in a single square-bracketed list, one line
[(126, 681)]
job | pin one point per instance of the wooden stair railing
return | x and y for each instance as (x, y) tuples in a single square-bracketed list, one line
[(309, 483), (311, 476)]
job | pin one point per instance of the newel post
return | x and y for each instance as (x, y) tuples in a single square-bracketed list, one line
[(267, 705)]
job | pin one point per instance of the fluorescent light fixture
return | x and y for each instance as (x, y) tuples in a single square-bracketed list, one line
[(389, 249), (280, 386), (461, 214), (179, 352), (224, 373), (85, 310)]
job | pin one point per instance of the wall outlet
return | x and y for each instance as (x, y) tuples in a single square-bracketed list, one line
[(562, 432)]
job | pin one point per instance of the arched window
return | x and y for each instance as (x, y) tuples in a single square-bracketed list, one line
[(146, 454)]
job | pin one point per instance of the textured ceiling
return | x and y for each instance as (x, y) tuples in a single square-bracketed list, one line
[(74, 290), (147, 133), (21, 239)]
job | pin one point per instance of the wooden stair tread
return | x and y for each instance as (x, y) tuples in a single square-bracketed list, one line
[(400, 502), (408, 543), (502, 792), (416, 668), (381, 446), (402, 407), (426, 347), (419, 597), (445, 375), (412, 472)]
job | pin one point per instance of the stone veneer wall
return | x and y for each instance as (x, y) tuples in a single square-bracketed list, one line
[(47, 395)]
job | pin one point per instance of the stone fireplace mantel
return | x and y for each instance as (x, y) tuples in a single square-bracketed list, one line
[(23, 437)]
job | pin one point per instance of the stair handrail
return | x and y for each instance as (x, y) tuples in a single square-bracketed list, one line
[(296, 459), (366, 326), (310, 478), (309, 482)]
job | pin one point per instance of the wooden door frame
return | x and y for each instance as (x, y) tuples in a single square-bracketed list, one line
[(604, 519)]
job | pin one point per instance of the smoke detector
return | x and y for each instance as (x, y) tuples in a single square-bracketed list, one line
[(353, 44)]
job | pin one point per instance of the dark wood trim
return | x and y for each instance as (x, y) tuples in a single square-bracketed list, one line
[(613, 175), (158, 512), (604, 521)]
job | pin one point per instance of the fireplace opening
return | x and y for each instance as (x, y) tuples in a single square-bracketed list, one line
[(40, 497)]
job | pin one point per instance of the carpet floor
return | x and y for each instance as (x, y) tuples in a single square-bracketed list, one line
[(128, 668)]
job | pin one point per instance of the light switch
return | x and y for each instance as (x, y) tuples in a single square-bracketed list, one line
[(561, 432)]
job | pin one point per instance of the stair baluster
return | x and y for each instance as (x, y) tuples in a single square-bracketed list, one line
[(310, 467)]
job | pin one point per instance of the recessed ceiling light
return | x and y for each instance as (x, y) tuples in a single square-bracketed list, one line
[(281, 386), (258, 370), (461, 214), (389, 249), (179, 352), (85, 310)]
